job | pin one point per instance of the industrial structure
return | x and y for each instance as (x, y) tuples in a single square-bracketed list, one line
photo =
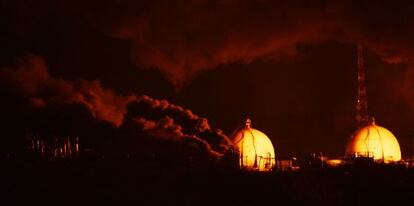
[(370, 140), (255, 148), (61, 148)]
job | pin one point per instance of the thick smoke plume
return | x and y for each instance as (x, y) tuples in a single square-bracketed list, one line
[(166, 129), (183, 38), (33, 81), (157, 118)]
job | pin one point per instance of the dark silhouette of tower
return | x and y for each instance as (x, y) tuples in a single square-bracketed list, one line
[(362, 116)]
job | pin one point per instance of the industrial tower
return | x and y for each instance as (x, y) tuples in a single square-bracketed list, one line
[(362, 116), (370, 140)]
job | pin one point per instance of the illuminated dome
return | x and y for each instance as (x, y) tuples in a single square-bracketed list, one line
[(256, 149), (374, 141)]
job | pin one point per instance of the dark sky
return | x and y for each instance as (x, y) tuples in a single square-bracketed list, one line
[(288, 65)]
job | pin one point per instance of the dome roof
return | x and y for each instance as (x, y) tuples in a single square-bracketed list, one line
[(256, 149), (374, 141)]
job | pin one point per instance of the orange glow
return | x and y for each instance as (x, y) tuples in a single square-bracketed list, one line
[(334, 162), (374, 141), (256, 149)]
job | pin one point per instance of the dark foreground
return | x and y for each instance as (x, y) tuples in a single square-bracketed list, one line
[(129, 182)]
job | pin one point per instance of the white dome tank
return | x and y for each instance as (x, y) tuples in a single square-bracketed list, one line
[(376, 142), (255, 148)]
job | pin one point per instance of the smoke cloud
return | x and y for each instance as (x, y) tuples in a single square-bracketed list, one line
[(183, 38), (166, 129), (32, 80), (157, 118)]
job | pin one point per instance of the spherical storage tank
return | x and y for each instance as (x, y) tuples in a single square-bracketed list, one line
[(376, 142), (255, 148)]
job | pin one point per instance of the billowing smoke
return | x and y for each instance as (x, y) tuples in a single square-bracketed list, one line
[(166, 129), (156, 118), (183, 38), (33, 81), (159, 118)]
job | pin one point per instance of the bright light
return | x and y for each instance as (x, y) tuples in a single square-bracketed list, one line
[(334, 162), (256, 150), (374, 141)]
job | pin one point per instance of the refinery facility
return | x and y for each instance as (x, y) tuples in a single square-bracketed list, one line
[(370, 141), (193, 138), (199, 165), (256, 152), (207, 102)]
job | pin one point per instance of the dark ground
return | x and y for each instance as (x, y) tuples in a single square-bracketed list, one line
[(133, 182)]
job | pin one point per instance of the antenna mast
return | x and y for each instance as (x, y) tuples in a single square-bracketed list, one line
[(362, 116)]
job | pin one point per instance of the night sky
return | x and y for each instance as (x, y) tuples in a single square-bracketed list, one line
[(74, 67)]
